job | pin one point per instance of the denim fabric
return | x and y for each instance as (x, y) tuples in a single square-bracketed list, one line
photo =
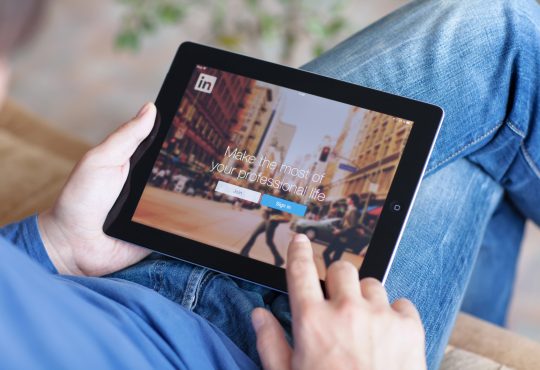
[(224, 301), (481, 63), (490, 287)]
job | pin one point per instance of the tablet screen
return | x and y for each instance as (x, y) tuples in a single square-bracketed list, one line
[(246, 164)]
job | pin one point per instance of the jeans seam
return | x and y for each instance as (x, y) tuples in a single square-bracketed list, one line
[(208, 276), (526, 155), (350, 71), (515, 129), (190, 295), (156, 274), (530, 160), (464, 148)]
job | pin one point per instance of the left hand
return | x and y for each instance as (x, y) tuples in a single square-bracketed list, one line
[(72, 229)]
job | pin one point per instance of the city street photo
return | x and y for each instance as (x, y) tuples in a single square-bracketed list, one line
[(247, 164)]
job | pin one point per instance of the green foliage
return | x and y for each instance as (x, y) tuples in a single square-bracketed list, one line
[(144, 17), (239, 24), (169, 13)]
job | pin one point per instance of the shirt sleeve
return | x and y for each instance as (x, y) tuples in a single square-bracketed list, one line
[(25, 236)]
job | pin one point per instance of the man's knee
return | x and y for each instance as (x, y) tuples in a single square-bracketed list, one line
[(498, 18)]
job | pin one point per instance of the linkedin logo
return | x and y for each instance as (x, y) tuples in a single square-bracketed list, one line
[(205, 83)]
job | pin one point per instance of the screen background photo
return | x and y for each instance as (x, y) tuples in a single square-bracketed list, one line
[(353, 150)]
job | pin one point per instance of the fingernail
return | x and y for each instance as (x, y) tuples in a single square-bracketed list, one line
[(258, 319), (300, 238), (143, 110)]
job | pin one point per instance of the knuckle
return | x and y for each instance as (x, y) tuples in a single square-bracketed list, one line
[(129, 134), (342, 266), (407, 309), (348, 307), (378, 310), (372, 286), (405, 302), (415, 324), (299, 266), (306, 316), (264, 339), (371, 283), (308, 312), (297, 251), (90, 156)]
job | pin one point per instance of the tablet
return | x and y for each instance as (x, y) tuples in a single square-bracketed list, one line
[(246, 153)]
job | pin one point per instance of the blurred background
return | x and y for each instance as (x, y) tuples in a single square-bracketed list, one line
[(94, 63)]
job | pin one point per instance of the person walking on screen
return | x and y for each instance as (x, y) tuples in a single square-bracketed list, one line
[(348, 234), (271, 220)]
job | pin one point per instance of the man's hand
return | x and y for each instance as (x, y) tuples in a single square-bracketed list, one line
[(355, 328), (72, 229)]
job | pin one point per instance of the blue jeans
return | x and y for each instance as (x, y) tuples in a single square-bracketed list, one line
[(480, 61)]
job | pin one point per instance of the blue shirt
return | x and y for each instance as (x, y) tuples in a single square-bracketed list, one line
[(50, 321)]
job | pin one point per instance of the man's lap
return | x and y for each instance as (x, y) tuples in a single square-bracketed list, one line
[(222, 300), (454, 54), (431, 268)]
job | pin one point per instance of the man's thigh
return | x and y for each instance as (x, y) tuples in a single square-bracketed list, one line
[(439, 247)]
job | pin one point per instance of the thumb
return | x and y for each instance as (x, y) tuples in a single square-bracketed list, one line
[(119, 146), (274, 351)]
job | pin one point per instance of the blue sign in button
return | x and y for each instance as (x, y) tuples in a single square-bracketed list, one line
[(283, 205)]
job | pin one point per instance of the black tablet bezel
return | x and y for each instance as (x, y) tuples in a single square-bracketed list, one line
[(426, 117)]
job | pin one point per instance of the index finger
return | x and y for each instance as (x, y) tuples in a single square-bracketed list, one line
[(302, 278)]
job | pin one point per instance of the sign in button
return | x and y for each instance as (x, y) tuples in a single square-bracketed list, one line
[(283, 205), (238, 191)]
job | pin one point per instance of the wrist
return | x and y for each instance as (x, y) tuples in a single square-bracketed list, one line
[(56, 244)]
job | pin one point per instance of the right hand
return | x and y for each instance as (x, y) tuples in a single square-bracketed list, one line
[(355, 328)]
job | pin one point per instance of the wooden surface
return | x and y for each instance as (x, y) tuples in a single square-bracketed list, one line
[(499, 345), (35, 162)]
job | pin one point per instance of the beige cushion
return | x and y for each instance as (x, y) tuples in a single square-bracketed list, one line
[(36, 161)]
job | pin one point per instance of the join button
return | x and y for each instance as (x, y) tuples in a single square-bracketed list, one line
[(283, 205)]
